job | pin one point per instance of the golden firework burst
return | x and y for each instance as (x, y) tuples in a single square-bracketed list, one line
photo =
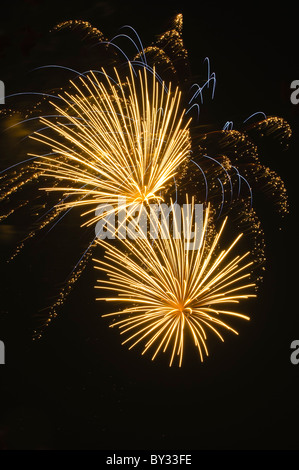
[(115, 139), (172, 285)]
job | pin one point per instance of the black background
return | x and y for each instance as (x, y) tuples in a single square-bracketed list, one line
[(78, 388)]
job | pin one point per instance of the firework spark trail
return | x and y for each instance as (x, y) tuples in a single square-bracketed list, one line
[(171, 286), (241, 151), (46, 315)]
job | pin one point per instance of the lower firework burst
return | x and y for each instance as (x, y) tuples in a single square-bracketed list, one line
[(171, 286)]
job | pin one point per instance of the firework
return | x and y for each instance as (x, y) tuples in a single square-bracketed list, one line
[(125, 136), (117, 140), (171, 286)]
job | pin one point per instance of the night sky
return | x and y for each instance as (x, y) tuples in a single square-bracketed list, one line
[(78, 388)]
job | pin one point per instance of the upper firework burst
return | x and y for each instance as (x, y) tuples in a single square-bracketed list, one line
[(115, 139)]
